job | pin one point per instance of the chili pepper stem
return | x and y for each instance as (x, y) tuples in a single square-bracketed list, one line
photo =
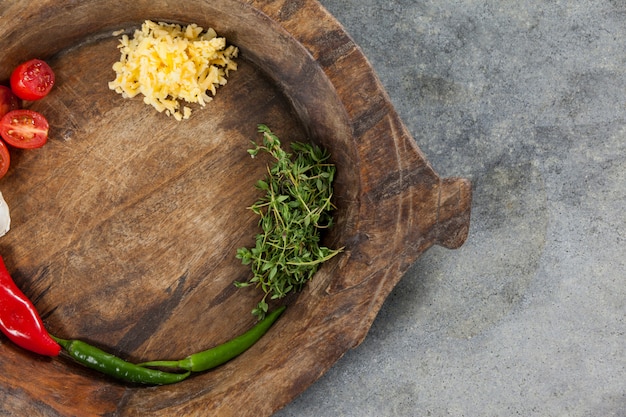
[(180, 364), (65, 344)]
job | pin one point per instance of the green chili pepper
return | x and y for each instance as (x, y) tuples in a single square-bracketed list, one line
[(220, 354), (111, 365)]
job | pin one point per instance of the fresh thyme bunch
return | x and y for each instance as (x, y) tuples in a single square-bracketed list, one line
[(295, 208)]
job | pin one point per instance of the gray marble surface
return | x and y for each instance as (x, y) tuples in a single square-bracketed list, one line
[(528, 100)]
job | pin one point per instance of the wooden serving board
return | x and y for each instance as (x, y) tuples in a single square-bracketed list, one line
[(125, 225)]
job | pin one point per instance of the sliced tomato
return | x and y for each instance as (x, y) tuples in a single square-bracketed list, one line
[(8, 100), (25, 129), (32, 80), (5, 159)]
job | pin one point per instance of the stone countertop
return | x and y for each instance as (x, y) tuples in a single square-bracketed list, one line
[(527, 99)]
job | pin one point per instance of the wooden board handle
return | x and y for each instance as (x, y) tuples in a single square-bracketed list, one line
[(455, 196)]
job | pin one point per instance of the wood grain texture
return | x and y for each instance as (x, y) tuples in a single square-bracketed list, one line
[(126, 223)]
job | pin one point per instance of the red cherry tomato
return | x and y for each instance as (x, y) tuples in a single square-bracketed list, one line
[(8, 100), (32, 80), (25, 129), (5, 159)]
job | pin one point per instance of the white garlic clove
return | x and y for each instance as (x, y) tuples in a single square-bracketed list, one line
[(5, 218)]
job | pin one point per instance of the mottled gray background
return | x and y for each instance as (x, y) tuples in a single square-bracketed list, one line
[(526, 99)]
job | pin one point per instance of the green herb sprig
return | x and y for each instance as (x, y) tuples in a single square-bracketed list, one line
[(296, 207)]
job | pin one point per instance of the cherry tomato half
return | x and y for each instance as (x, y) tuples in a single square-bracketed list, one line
[(8, 100), (25, 129), (32, 80), (5, 159)]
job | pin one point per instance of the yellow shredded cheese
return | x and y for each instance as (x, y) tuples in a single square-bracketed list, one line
[(167, 63)]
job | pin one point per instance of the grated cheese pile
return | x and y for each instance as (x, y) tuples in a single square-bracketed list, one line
[(168, 63)]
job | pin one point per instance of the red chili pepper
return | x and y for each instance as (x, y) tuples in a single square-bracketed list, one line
[(19, 319)]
